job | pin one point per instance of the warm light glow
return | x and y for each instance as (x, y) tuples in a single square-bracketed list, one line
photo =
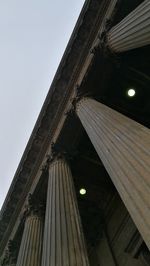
[(82, 191), (131, 92)]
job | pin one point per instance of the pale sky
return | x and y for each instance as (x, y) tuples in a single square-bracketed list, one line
[(33, 37)]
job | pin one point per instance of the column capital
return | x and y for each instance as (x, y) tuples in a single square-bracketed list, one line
[(32, 208), (103, 36), (108, 53), (57, 154), (75, 101), (81, 100), (10, 254), (108, 23)]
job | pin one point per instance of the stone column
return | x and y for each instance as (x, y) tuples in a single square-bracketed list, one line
[(63, 243), (123, 145), (31, 244), (133, 31)]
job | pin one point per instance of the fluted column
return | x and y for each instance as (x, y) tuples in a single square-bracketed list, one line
[(31, 244), (123, 145), (63, 243), (133, 31)]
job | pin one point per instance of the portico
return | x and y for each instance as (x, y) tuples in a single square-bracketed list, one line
[(90, 135)]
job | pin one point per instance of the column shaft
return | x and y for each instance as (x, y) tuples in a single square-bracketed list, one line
[(124, 147), (31, 244), (133, 31), (63, 243)]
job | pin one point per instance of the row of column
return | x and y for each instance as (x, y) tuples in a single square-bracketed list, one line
[(123, 145), (62, 242), (124, 148)]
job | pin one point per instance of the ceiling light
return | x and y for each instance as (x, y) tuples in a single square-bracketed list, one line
[(82, 191), (131, 92)]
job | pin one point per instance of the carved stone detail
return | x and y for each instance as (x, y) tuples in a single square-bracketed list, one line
[(10, 254), (66, 77), (79, 95), (32, 208)]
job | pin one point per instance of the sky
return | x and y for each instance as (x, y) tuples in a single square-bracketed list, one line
[(33, 37)]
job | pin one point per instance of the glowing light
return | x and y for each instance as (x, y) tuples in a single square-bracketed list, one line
[(131, 92), (82, 191)]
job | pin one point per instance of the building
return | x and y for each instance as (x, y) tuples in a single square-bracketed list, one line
[(90, 135)]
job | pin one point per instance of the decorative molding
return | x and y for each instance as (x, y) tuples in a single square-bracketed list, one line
[(57, 153), (32, 208), (66, 77), (103, 37), (79, 95), (10, 254), (104, 47)]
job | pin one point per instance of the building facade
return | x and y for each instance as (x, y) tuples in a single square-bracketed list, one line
[(81, 193)]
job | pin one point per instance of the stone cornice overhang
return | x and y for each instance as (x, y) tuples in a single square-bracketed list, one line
[(64, 81)]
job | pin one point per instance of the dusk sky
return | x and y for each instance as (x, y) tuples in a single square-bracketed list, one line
[(34, 35)]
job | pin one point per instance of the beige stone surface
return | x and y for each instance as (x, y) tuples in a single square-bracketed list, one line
[(63, 237), (133, 31), (123, 145), (31, 244)]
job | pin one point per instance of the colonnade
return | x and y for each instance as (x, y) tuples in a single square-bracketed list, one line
[(122, 144), (63, 241)]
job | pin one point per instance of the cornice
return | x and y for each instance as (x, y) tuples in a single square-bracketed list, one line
[(63, 83)]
